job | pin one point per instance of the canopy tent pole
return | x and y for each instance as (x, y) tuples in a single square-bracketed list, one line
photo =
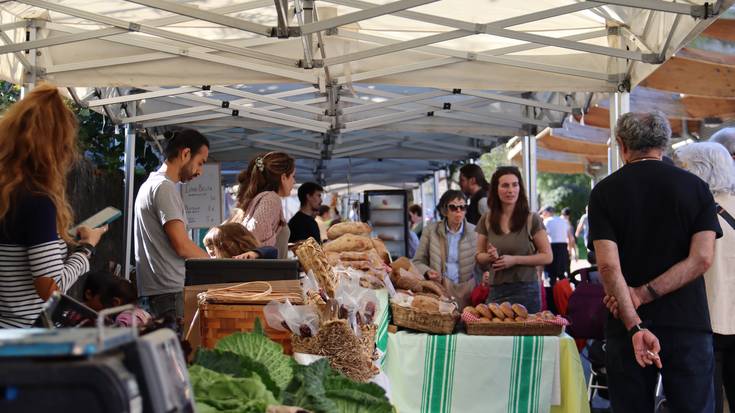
[(436, 191), (129, 186), (30, 78), (619, 104), (529, 170)]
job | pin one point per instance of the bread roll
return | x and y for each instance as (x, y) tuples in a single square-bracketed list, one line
[(470, 309), (382, 251), (507, 309), (496, 310), (520, 310), (482, 309), (349, 242), (520, 319), (496, 320), (484, 320), (354, 228)]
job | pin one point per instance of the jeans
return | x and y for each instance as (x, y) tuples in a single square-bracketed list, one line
[(165, 305), (688, 370), (528, 294), (724, 370)]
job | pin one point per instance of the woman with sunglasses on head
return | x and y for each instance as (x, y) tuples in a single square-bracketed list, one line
[(268, 178), (511, 242), (446, 252)]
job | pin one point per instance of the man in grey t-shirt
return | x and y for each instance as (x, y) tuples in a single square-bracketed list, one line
[(161, 241)]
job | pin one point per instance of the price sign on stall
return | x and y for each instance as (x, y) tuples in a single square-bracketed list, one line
[(203, 198)]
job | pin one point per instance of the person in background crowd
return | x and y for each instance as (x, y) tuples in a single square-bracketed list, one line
[(726, 138), (583, 228), (561, 239), (322, 219), (566, 213), (302, 225), (713, 164), (232, 240), (653, 228), (37, 148), (268, 178), (474, 185), (102, 290), (447, 249), (512, 241), (162, 243), (415, 218)]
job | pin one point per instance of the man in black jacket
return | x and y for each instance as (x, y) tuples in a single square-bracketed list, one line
[(302, 224), (473, 183)]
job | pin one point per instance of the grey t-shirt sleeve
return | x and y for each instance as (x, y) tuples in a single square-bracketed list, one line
[(168, 203)]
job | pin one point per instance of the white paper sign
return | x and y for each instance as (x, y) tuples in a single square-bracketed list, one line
[(203, 198)]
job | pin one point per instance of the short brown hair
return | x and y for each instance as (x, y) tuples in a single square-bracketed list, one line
[(229, 240), (416, 210)]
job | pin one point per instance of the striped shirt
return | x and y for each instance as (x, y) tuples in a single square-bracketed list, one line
[(30, 248)]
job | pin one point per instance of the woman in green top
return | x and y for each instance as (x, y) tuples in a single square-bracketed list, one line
[(511, 242)]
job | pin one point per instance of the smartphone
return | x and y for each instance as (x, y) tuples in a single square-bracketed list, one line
[(99, 219)]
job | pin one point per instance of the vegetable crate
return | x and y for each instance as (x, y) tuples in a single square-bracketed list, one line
[(221, 320)]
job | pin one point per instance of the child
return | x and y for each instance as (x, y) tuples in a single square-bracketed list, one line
[(232, 240), (482, 290), (103, 290)]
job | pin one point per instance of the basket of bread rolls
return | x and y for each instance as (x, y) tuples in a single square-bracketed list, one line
[(425, 313), (506, 319)]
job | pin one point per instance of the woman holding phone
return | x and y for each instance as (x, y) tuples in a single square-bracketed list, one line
[(37, 149), (511, 242)]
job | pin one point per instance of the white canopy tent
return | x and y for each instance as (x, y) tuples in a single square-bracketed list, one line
[(434, 80)]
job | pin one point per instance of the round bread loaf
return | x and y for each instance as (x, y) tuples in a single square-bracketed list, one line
[(495, 309), (520, 310), (482, 309), (483, 320), (497, 320), (507, 309), (470, 309)]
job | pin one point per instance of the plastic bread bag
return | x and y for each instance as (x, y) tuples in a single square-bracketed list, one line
[(300, 320), (402, 299), (389, 285), (447, 307)]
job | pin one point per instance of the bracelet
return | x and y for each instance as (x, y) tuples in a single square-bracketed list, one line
[(654, 294)]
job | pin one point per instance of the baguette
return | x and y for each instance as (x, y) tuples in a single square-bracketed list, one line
[(349, 242), (382, 251)]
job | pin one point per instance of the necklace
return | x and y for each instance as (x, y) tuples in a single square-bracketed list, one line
[(644, 158)]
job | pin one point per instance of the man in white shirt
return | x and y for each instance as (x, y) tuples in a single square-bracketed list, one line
[(560, 237)]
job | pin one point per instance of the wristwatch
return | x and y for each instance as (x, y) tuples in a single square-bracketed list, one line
[(86, 249), (635, 329)]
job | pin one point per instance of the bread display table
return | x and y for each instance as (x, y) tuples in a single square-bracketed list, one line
[(461, 373)]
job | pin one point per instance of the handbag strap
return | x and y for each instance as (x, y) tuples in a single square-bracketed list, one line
[(725, 215)]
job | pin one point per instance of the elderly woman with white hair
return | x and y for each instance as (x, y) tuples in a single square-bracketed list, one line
[(713, 164)]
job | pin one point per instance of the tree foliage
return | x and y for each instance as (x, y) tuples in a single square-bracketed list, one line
[(561, 190)]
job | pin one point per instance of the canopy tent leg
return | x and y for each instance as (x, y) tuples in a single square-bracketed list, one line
[(435, 193), (619, 104), (129, 187), (30, 78), (529, 170)]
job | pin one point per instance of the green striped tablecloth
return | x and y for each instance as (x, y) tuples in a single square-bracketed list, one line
[(461, 373), (382, 319)]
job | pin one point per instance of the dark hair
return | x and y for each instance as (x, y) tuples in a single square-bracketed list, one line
[(263, 174), (229, 240), (306, 189), (183, 139), (324, 209), (416, 209), (448, 196), (521, 209), (474, 171), (108, 287), (566, 211)]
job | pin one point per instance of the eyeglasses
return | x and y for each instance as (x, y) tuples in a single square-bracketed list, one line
[(455, 208)]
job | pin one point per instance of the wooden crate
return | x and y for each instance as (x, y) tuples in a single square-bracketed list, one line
[(221, 320)]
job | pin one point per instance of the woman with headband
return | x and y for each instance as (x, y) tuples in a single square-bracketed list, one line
[(268, 178)]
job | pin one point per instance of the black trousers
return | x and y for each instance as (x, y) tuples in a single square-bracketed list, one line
[(688, 370), (724, 370), (559, 267)]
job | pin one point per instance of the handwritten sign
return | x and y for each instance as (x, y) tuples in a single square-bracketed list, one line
[(203, 198)]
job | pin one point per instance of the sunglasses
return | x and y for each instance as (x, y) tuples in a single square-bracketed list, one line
[(455, 208)]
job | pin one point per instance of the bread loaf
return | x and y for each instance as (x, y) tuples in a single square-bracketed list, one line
[(353, 256), (520, 310), (507, 309), (354, 228), (496, 310), (425, 304), (482, 309), (349, 242), (472, 310), (383, 253)]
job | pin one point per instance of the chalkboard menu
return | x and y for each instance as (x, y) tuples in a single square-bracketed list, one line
[(203, 198)]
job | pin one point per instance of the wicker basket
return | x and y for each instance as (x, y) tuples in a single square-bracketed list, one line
[(416, 320), (221, 320), (514, 329), (351, 355)]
